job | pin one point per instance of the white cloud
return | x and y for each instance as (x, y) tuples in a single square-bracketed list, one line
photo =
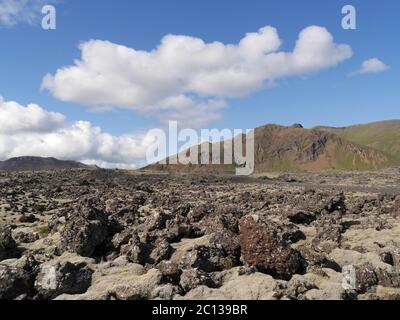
[(373, 65), (189, 113), (13, 12), (15, 118), (187, 69), (33, 131)]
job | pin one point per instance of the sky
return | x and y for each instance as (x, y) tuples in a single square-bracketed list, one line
[(111, 70)]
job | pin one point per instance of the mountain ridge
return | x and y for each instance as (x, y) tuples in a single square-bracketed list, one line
[(380, 135), (370, 146), (30, 163), (279, 148)]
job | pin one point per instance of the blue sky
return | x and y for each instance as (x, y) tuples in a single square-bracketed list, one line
[(328, 96)]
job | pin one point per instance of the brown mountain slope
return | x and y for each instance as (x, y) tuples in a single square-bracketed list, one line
[(39, 164), (279, 148)]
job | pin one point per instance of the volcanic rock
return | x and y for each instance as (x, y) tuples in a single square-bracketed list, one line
[(58, 278), (27, 218), (85, 231), (8, 247), (266, 246)]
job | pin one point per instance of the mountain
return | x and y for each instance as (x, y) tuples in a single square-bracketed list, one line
[(383, 136), (39, 164), (279, 148)]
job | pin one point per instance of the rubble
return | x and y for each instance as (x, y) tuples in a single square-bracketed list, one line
[(103, 234)]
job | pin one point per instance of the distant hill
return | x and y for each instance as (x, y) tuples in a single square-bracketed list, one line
[(39, 164), (383, 136), (279, 148)]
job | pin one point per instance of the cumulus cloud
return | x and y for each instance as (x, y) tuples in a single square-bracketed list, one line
[(187, 69), (15, 118), (31, 130), (373, 65), (13, 12)]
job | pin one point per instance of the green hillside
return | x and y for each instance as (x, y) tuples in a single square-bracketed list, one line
[(383, 136)]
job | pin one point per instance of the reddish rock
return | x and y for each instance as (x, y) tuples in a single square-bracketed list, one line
[(265, 247)]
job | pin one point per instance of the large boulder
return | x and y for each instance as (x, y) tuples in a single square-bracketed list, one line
[(17, 278), (359, 278), (220, 252), (265, 245), (8, 247), (14, 282), (362, 278), (255, 286), (129, 282), (85, 231), (56, 278), (27, 218), (301, 217)]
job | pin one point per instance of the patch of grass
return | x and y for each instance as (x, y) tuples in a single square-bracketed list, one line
[(387, 291), (382, 136), (43, 231)]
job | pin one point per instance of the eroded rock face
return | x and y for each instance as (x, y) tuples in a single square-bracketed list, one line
[(55, 279), (8, 246), (85, 231), (266, 246)]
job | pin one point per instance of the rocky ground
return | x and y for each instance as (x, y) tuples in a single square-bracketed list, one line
[(96, 234)]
